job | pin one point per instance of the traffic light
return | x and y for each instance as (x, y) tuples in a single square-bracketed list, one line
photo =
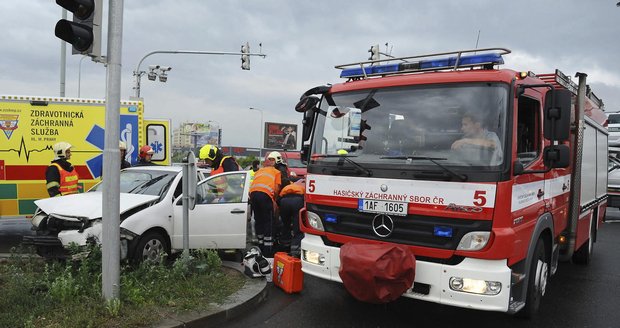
[(374, 52), (219, 137), (84, 32), (245, 57)]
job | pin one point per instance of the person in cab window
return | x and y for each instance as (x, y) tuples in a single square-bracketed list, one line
[(61, 177), (477, 137)]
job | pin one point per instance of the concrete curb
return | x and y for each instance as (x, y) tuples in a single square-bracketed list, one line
[(252, 293)]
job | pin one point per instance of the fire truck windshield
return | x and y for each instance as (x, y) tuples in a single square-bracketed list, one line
[(460, 125)]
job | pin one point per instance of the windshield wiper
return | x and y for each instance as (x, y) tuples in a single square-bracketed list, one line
[(359, 167), (147, 184), (433, 160)]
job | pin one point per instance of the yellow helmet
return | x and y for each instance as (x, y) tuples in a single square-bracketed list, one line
[(208, 152), (276, 156), (60, 150)]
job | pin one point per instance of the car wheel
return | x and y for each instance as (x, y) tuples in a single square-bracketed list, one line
[(152, 247), (584, 254), (537, 280)]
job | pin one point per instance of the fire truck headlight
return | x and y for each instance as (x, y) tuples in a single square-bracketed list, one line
[(313, 257), (474, 241), (314, 220), (475, 286)]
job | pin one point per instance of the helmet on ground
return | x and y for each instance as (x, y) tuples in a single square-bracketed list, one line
[(122, 145), (256, 262), (60, 150), (276, 156), (208, 152), (145, 150)]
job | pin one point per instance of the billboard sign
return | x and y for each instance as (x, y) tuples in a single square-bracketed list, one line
[(201, 133), (280, 136)]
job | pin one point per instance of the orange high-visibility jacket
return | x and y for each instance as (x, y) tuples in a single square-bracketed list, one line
[(68, 181), (293, 188), (267, 180)]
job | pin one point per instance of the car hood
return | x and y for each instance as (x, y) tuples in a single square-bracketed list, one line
[(88, 204)]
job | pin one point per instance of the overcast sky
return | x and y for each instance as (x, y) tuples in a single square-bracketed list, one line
[(303, 41)]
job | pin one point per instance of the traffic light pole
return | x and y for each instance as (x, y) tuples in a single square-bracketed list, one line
[(138, 74), (111, 157)]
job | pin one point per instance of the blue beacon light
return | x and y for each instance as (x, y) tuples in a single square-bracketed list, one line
[(441, 63)]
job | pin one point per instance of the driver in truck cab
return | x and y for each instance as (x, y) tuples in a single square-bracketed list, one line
[(476, 136)]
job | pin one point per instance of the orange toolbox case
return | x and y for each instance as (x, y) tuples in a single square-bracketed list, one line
[(287, 273)]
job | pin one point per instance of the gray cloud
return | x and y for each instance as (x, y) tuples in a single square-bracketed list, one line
[(303, 41)]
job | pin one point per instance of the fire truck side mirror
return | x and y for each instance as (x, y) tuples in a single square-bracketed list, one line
[(557, 114), (557, 156), (305, 154), (306, 124)]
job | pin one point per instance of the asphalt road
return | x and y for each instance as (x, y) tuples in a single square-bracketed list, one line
[(578, 296)]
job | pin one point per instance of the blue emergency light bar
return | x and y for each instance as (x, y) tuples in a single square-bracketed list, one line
[(452, 62)]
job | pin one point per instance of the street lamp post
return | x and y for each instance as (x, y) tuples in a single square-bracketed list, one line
[(138, 74), (260, 149), (80, 74)]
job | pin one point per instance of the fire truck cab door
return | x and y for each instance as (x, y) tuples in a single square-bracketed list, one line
[(528, 202)]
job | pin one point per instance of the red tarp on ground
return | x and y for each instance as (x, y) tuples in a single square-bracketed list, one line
[(376, 273)]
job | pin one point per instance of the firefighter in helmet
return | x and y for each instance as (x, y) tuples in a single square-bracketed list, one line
[(145, 155), (123, 148), (60, 175), (263, 192), (219, 163), (276, 161)]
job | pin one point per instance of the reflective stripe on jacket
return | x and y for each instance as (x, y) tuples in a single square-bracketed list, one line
[(220, 168), (267, 180), (68, 181), (293, 189)]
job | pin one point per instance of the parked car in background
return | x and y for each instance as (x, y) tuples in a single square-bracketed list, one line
[(293, 160), (151, 215), (613, 127)]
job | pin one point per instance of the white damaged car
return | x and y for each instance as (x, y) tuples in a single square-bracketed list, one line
[(151, 215)]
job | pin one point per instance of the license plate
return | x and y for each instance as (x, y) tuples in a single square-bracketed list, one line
[(381, 206)]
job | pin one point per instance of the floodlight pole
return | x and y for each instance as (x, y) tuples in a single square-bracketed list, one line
[(138, 74), (110, 243)]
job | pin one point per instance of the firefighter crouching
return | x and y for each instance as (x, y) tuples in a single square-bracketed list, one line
[(291, 200), (60, 175), (263, 192)]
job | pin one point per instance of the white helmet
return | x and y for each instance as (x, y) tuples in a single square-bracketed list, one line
[(276, 156), (122, 145), (60, 150), (256, 263)]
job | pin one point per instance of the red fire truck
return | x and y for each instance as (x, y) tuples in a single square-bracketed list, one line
[(486, 177)]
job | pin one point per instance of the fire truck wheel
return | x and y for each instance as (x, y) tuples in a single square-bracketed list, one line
[(537, 282), (151, 247), (584, 253)]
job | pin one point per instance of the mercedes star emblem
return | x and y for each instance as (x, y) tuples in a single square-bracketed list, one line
[(382, 225)]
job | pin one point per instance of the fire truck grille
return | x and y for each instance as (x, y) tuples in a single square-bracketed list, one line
[(415, 230)]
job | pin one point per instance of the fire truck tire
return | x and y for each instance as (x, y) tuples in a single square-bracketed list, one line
[(537, 282), (151, 247), (583, 255)]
